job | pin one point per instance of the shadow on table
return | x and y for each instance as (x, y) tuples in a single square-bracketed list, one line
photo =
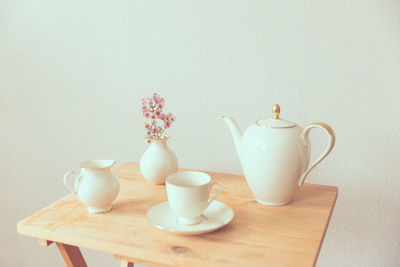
[(131, 206)]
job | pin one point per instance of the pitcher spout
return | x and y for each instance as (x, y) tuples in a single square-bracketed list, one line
[(235, 131)]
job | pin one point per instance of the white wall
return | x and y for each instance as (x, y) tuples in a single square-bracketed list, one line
[(72, 74)]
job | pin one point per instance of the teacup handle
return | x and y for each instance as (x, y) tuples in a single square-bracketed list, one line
[(219, 192), (66, 175)]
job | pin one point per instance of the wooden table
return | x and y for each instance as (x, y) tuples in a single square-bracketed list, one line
[(258, 235)]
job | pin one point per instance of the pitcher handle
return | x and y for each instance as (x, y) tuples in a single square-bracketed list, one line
[(331, 134), (217, 195), (66, 175)]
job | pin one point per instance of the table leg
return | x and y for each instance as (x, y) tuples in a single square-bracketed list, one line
[(72, 255), (127, 263), (44, 242)]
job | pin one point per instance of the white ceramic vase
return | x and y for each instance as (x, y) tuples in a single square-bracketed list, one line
[(158, 161)]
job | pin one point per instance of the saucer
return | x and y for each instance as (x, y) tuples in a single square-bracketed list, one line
[(217, 215)]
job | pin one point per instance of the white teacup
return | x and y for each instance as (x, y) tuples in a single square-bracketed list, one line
[(188, 195)]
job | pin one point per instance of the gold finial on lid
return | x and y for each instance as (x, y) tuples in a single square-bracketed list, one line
[(276, 110)]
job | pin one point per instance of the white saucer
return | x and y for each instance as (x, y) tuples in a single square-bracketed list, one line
[(216, 215)]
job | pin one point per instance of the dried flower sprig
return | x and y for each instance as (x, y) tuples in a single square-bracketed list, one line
[(152, 108)]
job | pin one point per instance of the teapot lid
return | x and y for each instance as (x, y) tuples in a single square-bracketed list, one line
[(275, 122)]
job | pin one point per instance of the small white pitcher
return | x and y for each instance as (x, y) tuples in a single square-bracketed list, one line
[(96, 186)]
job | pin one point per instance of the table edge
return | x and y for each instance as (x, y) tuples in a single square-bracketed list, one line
[(326, 226)]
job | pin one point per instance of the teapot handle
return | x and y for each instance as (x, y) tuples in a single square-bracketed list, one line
[(329, 131)]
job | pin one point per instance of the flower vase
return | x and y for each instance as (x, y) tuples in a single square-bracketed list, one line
[(158, 161)]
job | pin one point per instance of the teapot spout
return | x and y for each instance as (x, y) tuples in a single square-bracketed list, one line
[(235, 131)]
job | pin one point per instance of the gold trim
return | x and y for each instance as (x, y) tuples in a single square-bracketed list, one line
[(281, 127), (276, 110), (202, 220), (326, 126), (188, 186), (102, 168), (214, 228)]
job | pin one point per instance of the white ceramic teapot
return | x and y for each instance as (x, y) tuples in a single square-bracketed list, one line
[(275, 156), (96, 186)]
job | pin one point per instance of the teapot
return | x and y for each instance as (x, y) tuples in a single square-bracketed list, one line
[(275, 155)]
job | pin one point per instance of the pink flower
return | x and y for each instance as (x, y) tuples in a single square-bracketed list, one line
[(152, 109), (155, 130)]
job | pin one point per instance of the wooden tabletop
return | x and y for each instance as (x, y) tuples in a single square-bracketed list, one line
[(258, 235)]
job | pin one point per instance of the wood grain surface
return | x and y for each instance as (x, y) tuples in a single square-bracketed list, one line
[(258, 235)]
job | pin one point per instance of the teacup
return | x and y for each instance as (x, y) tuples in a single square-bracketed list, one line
[(188, 195)]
